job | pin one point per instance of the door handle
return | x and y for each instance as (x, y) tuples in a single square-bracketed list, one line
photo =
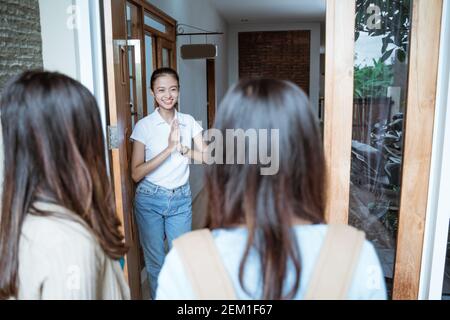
[(136, 43), (120, 54), (123, 61)]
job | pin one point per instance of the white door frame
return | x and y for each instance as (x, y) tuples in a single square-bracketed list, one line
[(438, 211)]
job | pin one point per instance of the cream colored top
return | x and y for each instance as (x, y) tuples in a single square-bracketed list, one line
[(61, 259)]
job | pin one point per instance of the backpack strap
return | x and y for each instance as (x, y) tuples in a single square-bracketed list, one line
[(203, 265), (331, 279), (336, 264)]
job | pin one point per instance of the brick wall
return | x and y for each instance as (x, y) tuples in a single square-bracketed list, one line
[(20, 37), (276, 54)]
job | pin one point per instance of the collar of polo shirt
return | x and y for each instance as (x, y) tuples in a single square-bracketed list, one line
[(160, 119)]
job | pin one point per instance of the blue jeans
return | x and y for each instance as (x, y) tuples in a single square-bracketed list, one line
[(160, 214)]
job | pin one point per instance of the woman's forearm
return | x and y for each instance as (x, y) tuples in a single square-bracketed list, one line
[(197, 156), (140, 171)]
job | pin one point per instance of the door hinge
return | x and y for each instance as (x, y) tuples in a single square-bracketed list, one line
[(113, 137)]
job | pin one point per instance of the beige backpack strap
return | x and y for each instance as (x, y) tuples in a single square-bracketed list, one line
[(339, 255), (203, 265)]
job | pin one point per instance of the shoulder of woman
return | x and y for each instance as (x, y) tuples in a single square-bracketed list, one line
[(186, 117), (173, 281), (50, 234), (147, 120)]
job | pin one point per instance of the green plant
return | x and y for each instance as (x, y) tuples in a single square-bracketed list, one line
[(393, 23), (372, 81)]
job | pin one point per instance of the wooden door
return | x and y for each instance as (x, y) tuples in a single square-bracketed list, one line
[(166, 53), (133, 48), (117, 55), (364, 189), (150, 65)]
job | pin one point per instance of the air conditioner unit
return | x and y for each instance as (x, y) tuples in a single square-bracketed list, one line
[(198, 51)]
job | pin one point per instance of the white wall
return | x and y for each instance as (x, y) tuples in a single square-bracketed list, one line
[(71, 44), (314, 78), (201, 14), (59, 38)]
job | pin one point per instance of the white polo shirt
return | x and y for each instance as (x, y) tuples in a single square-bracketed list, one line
[(153, 131)]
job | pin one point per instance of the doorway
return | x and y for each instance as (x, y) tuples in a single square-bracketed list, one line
[(377, 138), (138, 38)]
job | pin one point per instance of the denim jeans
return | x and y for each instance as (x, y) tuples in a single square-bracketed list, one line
[(160, 214)]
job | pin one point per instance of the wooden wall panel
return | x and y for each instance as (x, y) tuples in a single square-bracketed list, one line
[(117, 104), (338, 111), (423, 68)]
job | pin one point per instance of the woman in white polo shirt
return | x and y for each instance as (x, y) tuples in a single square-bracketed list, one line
[(160, 166)]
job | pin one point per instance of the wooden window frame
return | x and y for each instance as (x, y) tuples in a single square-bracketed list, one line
[(422, 85), (160, 40)]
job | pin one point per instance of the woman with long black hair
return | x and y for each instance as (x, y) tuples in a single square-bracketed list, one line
[(267, 229), (60, 236)]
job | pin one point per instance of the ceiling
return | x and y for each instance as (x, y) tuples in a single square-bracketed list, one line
[(271, 11)]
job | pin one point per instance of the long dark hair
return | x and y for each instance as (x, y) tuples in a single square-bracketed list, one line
[(267, 204), (54, 152)]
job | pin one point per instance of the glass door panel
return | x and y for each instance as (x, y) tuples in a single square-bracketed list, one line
[(165, 57), (151, 21), (382, 34), (133, 22), (135, 76), (150, 65), (134, 26)]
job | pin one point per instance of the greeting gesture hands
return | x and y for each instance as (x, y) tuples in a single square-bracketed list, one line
[(174, 136)]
